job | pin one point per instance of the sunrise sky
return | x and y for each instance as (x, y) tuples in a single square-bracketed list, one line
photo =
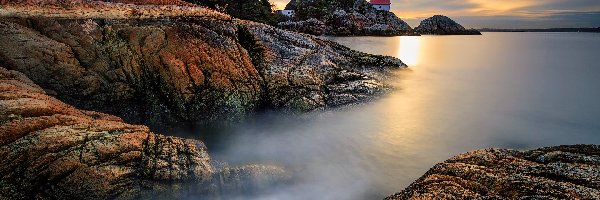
[(499, 14)]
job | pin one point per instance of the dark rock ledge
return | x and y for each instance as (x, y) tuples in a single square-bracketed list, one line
[(560, 172)]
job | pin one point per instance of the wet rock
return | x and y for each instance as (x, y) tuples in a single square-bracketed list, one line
[(442, 25), (311, 26), (561, 172)]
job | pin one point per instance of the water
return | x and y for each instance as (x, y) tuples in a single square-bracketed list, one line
[(507, 90)]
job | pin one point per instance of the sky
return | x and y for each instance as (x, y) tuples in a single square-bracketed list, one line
[(499, 13)]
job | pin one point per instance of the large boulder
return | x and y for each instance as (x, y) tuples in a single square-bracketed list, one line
[(561, 172), (190, 65), (442, 25)]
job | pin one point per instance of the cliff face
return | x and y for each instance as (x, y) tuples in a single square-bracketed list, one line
[(442, 25), (561, 172), (185, 69), (355, 17)]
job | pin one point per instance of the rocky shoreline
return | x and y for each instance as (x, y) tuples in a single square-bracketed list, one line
[(157, 65), (187, 69)]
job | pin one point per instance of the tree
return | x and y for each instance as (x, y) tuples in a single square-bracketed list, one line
[(306, 9), (255, 10)]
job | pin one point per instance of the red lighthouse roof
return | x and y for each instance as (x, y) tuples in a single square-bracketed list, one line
[(387, 2)]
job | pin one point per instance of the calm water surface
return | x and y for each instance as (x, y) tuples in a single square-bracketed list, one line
[(507, 90)]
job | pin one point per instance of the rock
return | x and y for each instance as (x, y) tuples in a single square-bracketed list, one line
[(561, 172), (359, 18), (311, 26), (51, 150), (190, 66), (442, 25), (303, 72)]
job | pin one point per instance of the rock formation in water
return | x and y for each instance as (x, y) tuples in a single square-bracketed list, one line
[(561, 172), (356, 18), (306, 73), (51, 150), (442, 25), (165, 64)]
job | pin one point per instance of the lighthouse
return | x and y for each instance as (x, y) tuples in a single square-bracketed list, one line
[(381, 4)]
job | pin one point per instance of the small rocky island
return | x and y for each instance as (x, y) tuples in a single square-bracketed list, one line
[(442, 25), (343, 18)]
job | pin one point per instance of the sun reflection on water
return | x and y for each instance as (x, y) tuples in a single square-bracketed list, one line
[(409, 50)]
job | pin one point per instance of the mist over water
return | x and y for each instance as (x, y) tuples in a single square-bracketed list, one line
[(506, 90)]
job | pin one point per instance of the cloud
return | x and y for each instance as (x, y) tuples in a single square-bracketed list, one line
[(500, 14)]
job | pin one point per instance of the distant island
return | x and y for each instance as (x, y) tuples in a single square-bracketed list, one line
[(442, 25), (591, 30)]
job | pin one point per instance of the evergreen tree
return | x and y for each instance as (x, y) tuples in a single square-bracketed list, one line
[(255, 10)]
